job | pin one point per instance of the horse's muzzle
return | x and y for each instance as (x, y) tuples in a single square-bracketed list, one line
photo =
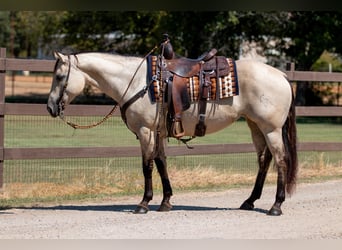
[(53, 110)]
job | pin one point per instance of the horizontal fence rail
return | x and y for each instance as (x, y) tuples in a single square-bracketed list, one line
[(26, 64), (9, 64)]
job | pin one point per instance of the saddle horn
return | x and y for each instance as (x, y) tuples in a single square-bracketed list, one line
[(166, 48)]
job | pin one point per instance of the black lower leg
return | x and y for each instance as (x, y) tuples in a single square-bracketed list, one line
[(148, 192), (167, 190), (256, 193), (280, 195), (264, 162)]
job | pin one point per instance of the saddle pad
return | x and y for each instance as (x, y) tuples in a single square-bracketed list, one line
[(228, 85)]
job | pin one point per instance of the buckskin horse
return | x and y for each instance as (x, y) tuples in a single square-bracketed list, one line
[(265, 99)]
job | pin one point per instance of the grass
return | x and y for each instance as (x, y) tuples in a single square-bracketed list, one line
[(32, 181), (41, 131)]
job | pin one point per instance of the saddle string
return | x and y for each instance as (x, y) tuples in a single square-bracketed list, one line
[(111, 112), (161, 96)]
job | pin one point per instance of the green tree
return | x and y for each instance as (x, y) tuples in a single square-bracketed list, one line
[(130, 32), (85, 30), (26, 32), (312, 33), (4, 28), (299, 36)]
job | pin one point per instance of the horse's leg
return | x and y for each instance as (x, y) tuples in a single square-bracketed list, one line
[(142, 208), (264, 159), (160, 161), (147, 147), (275, 143), (282, 143)]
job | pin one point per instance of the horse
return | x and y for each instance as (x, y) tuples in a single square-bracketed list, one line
[(265, 101)]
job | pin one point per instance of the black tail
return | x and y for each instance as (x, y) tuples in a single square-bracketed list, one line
[(289, 132)]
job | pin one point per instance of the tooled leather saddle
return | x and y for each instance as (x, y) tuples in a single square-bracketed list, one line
[(178, 74)]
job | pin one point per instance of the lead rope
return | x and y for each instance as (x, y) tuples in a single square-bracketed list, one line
[(77, 126)]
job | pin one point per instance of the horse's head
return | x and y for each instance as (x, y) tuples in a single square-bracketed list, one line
[(68, 82)]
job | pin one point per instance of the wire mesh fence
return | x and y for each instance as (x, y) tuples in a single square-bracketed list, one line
[(46, 179)]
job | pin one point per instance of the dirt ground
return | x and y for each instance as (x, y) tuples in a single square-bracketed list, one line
[(313, 212)]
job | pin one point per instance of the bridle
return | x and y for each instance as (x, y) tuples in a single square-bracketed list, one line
[(140, 94), (61, 103), (61, 106)]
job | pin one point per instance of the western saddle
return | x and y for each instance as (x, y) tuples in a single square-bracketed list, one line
[(175, 74)]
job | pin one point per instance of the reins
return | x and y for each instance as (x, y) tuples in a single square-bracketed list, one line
[(124, 107), (77, 126)]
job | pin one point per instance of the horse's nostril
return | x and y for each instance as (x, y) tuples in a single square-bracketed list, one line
[(50, 110)]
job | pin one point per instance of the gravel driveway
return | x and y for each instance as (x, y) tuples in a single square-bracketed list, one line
[(313, 212)]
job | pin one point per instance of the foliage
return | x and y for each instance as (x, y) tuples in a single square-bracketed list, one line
[(4, 27), (312, 33), (28, 32), (326, 58), (301, 36)]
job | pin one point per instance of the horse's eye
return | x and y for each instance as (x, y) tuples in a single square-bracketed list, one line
[(60, 77)]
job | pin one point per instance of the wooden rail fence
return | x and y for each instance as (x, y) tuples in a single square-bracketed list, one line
[(9, 64)]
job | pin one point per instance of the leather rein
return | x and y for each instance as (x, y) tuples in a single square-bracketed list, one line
[(124, 107)]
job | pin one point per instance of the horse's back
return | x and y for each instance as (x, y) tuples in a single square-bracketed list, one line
[(258, 76)]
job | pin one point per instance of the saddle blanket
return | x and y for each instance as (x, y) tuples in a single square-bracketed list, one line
[(228, 85)]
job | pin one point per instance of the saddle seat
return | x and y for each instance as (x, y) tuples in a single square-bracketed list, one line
[(187, 67), (204, 57)]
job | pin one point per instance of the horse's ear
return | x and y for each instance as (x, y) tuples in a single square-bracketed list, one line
[(59, 55)]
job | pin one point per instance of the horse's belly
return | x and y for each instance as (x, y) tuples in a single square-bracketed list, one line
[(218, 117)]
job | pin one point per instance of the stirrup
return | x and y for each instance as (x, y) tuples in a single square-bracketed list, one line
[(177, 129)]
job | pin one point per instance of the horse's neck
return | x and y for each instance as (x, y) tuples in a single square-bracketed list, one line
[(112, 74)]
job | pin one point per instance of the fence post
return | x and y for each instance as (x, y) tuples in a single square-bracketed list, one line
[(290, 66), (2, 113)]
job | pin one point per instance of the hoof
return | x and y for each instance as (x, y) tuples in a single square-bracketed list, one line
[(165, 207), (247, 206), (274, 211), (141, 210)]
